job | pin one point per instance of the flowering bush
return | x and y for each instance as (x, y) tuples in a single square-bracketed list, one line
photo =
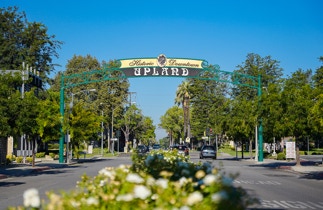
[(159, 180), (10, 158)]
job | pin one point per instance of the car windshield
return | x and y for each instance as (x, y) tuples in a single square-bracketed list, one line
[(156, 146), (208, 148), (181, 147)]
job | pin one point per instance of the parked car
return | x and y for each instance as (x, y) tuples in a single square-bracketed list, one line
[(142, 149), (156, 147), (208, 151), (182, 149)]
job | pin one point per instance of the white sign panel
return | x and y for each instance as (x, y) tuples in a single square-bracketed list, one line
[(90, 149), (290, 150)]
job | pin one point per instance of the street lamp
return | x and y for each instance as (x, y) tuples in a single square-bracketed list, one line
[(25, 77), (70, 111), (102, 134), (112, 138), (102, 129)]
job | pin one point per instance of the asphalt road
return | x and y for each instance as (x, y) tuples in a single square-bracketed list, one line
[(314, 158), (57, 179), (276, 189)]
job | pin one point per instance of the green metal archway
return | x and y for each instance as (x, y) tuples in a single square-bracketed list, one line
[(160, 67)]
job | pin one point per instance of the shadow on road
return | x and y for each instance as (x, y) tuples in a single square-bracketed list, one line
[(22, 170)]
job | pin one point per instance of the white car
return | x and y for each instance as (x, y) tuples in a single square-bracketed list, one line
[(208, 151)]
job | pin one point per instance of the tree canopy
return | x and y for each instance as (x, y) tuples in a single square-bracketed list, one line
[(29, 42)]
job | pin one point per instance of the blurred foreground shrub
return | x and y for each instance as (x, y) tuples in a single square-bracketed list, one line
[(157, 180)]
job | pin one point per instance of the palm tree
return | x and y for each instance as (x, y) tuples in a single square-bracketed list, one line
[(183, 98)]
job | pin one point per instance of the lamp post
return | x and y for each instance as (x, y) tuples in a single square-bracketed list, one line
[(112, 131), (102, 134), (70, 111), (25, 77), (102, 129), (260, 128)]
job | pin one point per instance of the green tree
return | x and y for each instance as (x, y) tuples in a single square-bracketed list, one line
[(183, 98), (83, 125), (270, 73), (208, 96), (146, 133), (23, 41), (26, 121), (318, 76), (255, 65), (297, 100), (242, 121), (172, 121), (131, 120), (49, 118), (110, 93), (9, 104), (272, 111), (315, 117), (316, 112), (164, 142)]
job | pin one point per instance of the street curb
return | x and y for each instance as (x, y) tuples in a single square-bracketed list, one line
[(2, 176), (44, 168)]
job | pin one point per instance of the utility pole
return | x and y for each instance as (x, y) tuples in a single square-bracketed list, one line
[(130, 97), (130, 102)]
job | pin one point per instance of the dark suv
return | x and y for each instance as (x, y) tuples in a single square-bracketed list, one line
[(142, 149)]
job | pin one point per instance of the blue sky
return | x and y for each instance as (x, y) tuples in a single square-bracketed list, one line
[(221, 32)]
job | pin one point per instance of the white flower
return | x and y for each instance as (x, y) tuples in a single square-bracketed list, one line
[(124, 168), (209, 179), (108, 173), (163, 183), (155, 196), (182, 181), (194, 198), (185, 208), (199, 174), (217, 197), (125, 197), (102, 183), (134, 178), (75, 204), (31, 198), (150, 181), (141, 192), (92, 201)]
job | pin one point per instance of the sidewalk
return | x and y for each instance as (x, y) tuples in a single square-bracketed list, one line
[(306, 167)]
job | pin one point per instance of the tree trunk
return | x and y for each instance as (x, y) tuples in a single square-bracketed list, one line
[(242, 149), (33, 152), (298, 159), (250, 148)]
